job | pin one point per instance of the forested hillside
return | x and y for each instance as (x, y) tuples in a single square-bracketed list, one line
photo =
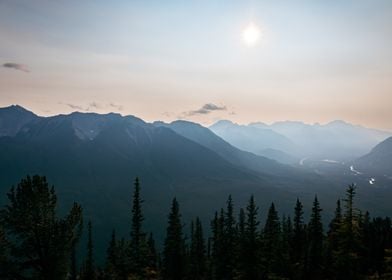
[(36, 243)]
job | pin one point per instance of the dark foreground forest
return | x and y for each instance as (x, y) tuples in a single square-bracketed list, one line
[(36, 243)]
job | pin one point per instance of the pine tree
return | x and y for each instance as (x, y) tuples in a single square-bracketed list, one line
[(111, 257), (286, 264), (41, 242), (229, 241), (298, 242), (197, 252), (174, 247), (249, 256), (217, 259), (315, 246), (241, 250), (350, 217), (333, 238), (335, 227), (348, 252), (138, 244), (271, 243), (89, 267)]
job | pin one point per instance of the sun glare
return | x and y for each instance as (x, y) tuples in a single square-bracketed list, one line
[(251, 34)]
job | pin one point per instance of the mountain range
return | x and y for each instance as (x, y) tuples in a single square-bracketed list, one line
[(93, 159), (292, 140)]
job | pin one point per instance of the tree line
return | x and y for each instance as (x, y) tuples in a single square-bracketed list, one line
[(35, 243)]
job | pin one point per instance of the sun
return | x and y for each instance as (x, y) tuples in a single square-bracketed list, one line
[(251, 34)]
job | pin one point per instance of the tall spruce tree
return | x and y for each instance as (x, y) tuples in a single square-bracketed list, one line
[(334, 240), (138, 244), (89, 266), (315, 243), (241, 245), (298, 242), (217, 255), (286, 263), (197, 269), (40, 243), (111, 258), (251, 246), (335, 228), (173, 264), (350, 217), (348, 253), (271, 255), (229, 241)]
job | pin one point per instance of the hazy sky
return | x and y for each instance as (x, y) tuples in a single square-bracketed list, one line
[(316, 60)]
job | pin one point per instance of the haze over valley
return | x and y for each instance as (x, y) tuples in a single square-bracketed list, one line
[(195, 140), (92, 158)]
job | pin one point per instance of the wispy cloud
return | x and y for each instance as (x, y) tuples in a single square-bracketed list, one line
[(116, 106), (16, 66), (168, 114), (74, 107), (205, 109), (94, 106)]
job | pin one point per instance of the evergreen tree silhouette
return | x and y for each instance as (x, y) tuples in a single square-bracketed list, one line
[(173, 264), (315, 245), (138, 243), (271, 243), (197, 269), (89, 266), (40, 243)]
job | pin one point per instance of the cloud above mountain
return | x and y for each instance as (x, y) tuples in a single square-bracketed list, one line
[(17, 66), (116, 106), (206, 109), (94, 106), (74, 107)]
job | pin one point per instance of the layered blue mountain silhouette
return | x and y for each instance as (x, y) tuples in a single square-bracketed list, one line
[(93, 159)]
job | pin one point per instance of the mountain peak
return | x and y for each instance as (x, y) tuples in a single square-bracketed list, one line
[(13, 118), (258, 124), (222, 123), (16, 108), (338, 123)]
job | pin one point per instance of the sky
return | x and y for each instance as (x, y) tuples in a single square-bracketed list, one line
[(315, 60)]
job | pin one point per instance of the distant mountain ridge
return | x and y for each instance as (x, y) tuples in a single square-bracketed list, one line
[(337, 140), (256, 138), (93, 159), (379, 160), (208, 139)]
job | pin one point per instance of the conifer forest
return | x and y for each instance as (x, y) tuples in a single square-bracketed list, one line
[(36, 243)]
